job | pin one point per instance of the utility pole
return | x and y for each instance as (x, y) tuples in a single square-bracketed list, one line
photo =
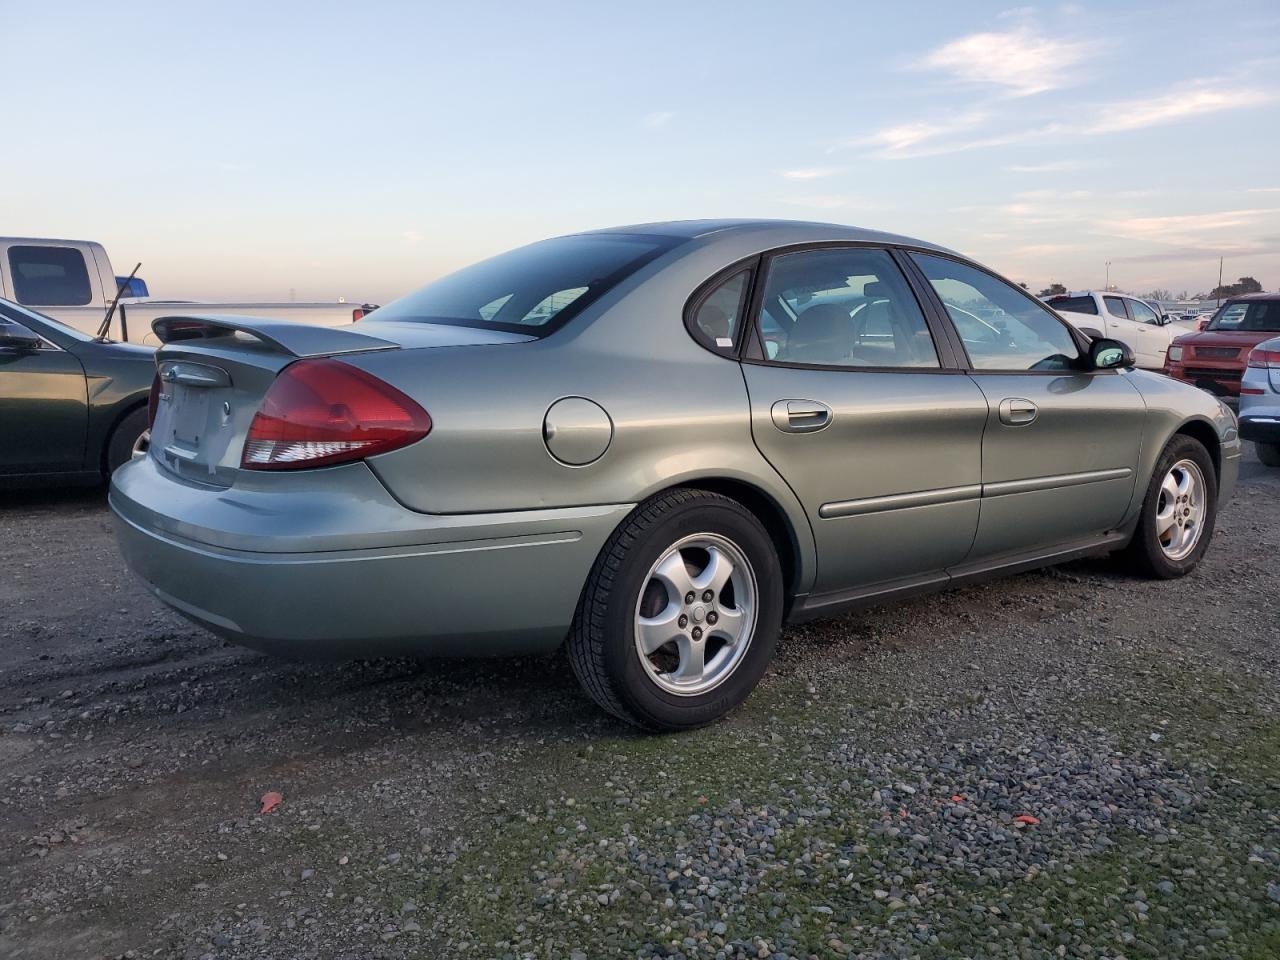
[(1219, 281), (1107, 286)]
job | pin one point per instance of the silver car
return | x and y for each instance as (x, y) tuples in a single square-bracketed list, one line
[(1260, 401), (660, 442)]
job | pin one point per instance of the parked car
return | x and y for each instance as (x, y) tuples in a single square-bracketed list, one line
[(73, 281), (588, 437), (1121, 317), (1260, 401), (72, 409), (1214, 358)]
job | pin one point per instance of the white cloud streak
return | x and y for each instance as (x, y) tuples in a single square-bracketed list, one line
[(1176, 105), (1021, 62)]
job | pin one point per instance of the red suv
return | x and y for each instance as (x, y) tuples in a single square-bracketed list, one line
[(1214, 358)]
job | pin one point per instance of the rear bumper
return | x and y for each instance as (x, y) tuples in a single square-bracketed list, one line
[(338, 569), (1261, 428)]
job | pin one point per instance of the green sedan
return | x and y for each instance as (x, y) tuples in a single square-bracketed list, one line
[(72, 408)]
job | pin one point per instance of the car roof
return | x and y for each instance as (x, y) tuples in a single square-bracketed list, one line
[(1263, 296), (805, 230)]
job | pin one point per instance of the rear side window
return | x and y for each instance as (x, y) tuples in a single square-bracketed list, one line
[(843, 307), (717, 320), (532, 289), (49, 276), (1075, 304), (1115, 306), (1261, 316), (1002, 327)]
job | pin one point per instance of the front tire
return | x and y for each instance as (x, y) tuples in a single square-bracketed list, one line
[(1178, 512), (1268, 453), (680, 614)]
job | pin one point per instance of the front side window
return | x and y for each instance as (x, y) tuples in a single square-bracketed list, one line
[(1260, 316), (718, 318), (846, 307), (1003, 328), (532, 289), (49, 276), (1143, 314)]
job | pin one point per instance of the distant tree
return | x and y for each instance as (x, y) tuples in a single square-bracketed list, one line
[(1053, 290), (1158, 294), (1183, 295), (1243, 285), (1023, 286)]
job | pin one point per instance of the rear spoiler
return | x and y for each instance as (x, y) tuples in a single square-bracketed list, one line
[(296, 339)]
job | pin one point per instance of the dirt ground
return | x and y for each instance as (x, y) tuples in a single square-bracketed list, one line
[(135, 747)]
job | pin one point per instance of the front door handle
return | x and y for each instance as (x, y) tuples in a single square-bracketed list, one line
[(1017, 412), (800, 416)]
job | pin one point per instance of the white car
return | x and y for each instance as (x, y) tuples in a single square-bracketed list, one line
[(1260, 401), (1120, 317)]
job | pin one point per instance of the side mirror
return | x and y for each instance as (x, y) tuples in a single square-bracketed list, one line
[(1107, 354), (17, 339), (1201, 324)]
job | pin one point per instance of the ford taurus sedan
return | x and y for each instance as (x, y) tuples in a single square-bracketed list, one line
[(656, 444)]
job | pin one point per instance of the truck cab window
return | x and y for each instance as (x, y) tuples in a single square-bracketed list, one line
[(49, 276)]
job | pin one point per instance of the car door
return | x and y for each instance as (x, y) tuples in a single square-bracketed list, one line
[(1060, 450), (44, 407), (1151, 338), (855, 401)]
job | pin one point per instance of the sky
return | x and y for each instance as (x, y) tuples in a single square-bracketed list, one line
[(326, 150)]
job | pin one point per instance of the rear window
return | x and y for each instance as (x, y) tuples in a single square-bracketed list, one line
[(1261, 316), (532, 289), (49, 276), (1075, 304)]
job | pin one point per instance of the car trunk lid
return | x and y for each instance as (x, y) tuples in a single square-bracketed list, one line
[(215, 371)]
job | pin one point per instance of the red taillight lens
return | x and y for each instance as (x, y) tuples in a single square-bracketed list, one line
[(1265, 358), (320, 412), (357, 314), (153, 401)]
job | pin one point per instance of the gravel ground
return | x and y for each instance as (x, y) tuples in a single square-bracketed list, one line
[(1065, 763)]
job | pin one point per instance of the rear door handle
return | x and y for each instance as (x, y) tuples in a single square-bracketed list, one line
[(1017, 412), (800, 416)]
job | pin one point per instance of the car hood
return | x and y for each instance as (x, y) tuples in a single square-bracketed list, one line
[(1225, 338)]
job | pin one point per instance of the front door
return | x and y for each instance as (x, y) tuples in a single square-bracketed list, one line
[(43, 408), (852, 404), (1136, 324), (1060, 451)]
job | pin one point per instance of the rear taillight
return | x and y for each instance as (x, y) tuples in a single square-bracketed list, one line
[(153, 401), (1267, 359), (357, 314), (320, 412)]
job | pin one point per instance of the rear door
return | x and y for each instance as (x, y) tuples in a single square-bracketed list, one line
[(1060, 450), (44, 407), (60, 279), (854, 400)]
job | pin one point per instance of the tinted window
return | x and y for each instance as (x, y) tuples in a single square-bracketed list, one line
[(846, 307), (719, 316), (1261, 316), (1002, 327), (1142, 313), (12, 313), (1115, 306), (1075, 304), (49, 276), (532, 289)]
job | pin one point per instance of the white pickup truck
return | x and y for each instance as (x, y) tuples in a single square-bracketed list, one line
[(1121, 317), (72, 281)]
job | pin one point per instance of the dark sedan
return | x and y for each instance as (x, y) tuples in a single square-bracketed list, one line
[(72, 408)]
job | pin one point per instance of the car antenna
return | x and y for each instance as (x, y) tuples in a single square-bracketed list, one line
[(111, 310)]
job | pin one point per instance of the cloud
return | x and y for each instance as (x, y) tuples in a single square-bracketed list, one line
[(1020, 61), (811, 173), (1263, 190), (1184, 229), (412, 236), (1187, 101), (659, 118), (906, 139), (1049, 166)]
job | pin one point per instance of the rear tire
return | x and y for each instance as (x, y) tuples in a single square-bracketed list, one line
[(704, 655), (125, 439), (1178, 512), (1268, 453)]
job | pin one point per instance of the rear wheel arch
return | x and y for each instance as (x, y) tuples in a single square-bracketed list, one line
[(109, 435)]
